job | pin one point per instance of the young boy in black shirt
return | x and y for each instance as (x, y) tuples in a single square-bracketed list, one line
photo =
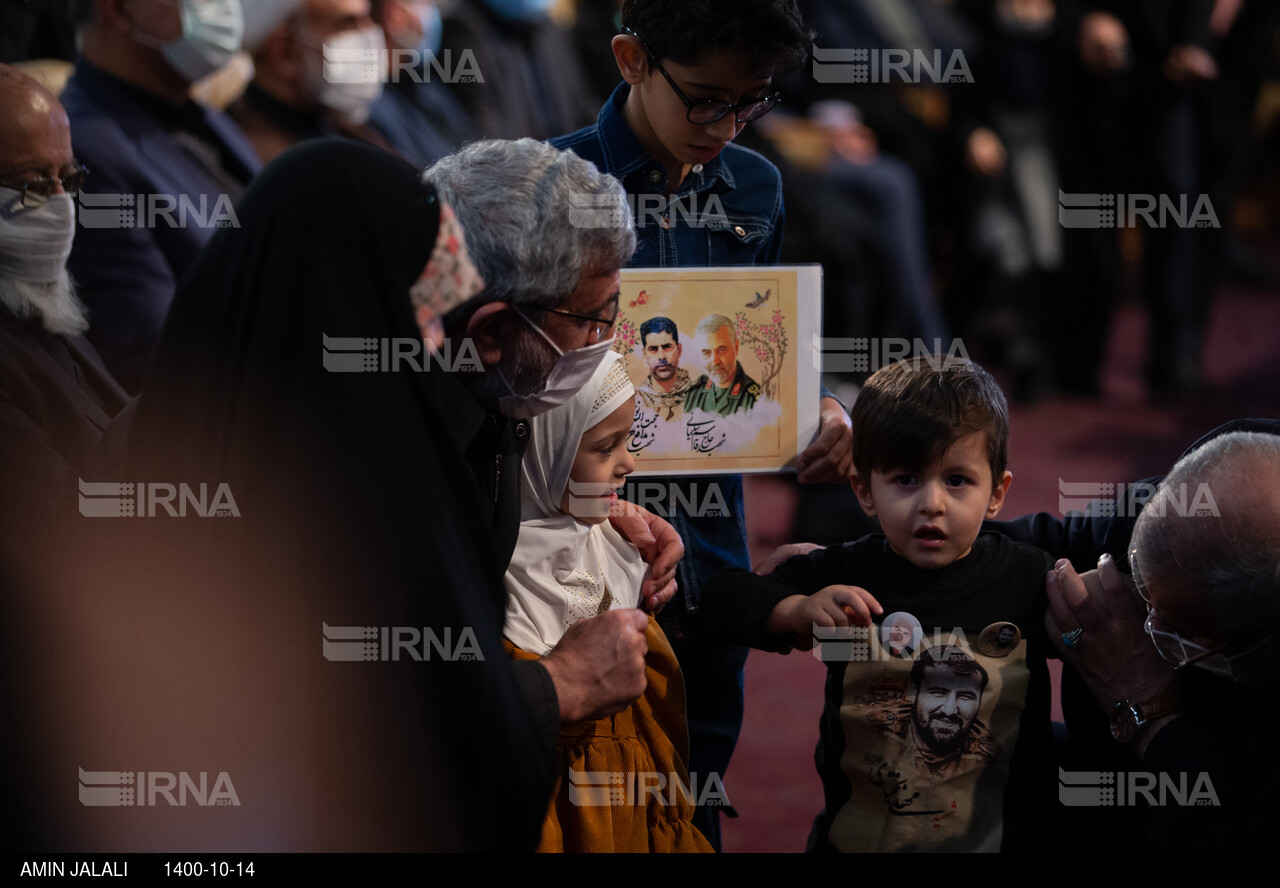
[(935, 734)]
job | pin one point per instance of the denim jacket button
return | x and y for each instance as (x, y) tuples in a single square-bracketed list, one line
[(739, 231), (654, 175)]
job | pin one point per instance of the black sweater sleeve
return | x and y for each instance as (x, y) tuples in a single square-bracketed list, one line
[(737, 603)]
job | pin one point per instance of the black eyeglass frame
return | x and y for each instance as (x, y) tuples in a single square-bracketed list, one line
[(71, 183), (599, 333), (767, 102)]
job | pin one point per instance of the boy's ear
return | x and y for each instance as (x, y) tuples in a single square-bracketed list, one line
[(862, 490), (998, 491), (633, 61)]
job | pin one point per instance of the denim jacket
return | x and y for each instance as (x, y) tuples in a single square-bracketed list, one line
[(726, 212)]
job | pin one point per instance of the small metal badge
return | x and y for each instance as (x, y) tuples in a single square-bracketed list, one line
[(999, 639), (900, 634)]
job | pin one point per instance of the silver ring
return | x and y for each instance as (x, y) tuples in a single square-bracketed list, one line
[(1072, 638)]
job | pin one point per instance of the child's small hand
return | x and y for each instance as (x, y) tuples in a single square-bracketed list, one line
[(660, 546), (828, 607)]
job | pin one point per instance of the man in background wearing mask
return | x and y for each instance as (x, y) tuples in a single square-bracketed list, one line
[(166, 170), (417, 113), (56, 399), (318, 71)]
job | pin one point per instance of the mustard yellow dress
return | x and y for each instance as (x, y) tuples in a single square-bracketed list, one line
[(624, 783)]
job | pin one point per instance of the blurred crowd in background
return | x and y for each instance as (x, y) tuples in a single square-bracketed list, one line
[(1002, 174), (931, 195)]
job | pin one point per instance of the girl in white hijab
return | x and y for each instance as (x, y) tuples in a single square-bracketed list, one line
[(569, 565), (569, 562)]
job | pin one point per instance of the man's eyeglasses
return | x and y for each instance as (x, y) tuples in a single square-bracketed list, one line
[(1179, 652), (38, 190), (599, 330), (707, 111)]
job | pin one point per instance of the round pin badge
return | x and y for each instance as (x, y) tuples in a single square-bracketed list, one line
[(900, 634), (999, 639)]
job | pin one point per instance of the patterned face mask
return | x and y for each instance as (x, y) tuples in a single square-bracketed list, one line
[(449, 279)]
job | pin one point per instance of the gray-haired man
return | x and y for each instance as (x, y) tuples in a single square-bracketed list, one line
[(1181, 697), (541, 326)]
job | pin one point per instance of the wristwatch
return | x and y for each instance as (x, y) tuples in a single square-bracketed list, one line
[(1129, 718)]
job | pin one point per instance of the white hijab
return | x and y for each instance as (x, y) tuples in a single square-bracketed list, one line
[(563, 570)]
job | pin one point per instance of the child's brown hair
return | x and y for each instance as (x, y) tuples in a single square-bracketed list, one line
[(910, 413)]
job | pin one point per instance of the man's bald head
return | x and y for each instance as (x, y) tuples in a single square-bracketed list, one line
[(35, 142), (35, 135), (1216, 575)]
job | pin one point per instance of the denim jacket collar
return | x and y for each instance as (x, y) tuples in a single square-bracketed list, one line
[(627, 159)]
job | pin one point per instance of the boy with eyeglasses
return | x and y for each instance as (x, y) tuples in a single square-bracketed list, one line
[(694, 73)]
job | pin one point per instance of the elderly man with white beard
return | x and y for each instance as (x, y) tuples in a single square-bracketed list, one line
[(56, 399)]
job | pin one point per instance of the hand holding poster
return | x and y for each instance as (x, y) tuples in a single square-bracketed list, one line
[(714, 354)]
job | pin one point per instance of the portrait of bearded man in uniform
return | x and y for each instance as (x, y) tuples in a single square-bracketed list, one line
[(725, 388)]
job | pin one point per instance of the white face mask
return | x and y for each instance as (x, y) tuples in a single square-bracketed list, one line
[(351, 72), (36, 241), (212, 31), (573, 369)]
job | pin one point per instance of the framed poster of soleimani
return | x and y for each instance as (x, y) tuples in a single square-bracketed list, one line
[(722, 381)]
